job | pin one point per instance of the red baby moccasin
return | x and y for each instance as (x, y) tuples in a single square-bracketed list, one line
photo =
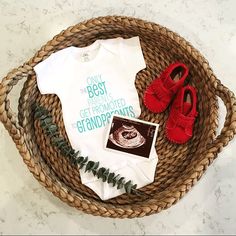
[(179, 126), (160, 92)]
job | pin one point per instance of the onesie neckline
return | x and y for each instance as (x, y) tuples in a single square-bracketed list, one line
[(79, 51)]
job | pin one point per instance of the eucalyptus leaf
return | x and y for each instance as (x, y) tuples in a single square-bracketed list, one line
[(42, 111), (89, 166), (85, 160), (72, 161), (39, 114), (35, 107), (134, 186), (115, 179), (53, 134), (61, 143), (121, 180), (76, 154), (44, 124), (48, 120), (52, 128), (128, 186), (38, 108), (107, 171), (66, 150), (72, 152), (120, 183), (100, 172), (66, 145), (75, 161), (110, 177), (105, 175), (96, 165), (79, 160), (44, 116), (56, 140)]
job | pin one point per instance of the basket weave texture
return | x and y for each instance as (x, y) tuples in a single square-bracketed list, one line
[(179, 166)]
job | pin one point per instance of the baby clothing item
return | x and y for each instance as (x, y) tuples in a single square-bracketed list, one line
[(161, 91), (168, 87), (93, 83), (179, 126)]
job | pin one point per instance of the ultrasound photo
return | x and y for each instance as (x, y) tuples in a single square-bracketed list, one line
[(131, 136)]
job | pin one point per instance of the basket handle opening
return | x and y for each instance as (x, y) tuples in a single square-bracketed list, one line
[(7, 116), (229, 128)]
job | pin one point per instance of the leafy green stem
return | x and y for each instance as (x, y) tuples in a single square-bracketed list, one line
[(52, 131)]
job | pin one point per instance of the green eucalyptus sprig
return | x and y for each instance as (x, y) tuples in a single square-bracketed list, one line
[(52, 131)]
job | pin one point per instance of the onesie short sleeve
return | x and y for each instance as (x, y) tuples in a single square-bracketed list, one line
[(132, 55), (49, 72)]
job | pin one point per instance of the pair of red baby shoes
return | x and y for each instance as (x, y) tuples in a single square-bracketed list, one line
[(170, 87)]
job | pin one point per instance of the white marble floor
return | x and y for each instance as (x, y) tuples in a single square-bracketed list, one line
[(27, 208)]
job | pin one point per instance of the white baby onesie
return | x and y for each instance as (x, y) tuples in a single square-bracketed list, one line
[(93, 83)]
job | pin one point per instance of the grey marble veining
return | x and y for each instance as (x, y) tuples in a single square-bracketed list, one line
[(27, 208)]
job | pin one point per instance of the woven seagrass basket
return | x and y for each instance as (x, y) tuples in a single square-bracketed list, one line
[(179, 166)]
